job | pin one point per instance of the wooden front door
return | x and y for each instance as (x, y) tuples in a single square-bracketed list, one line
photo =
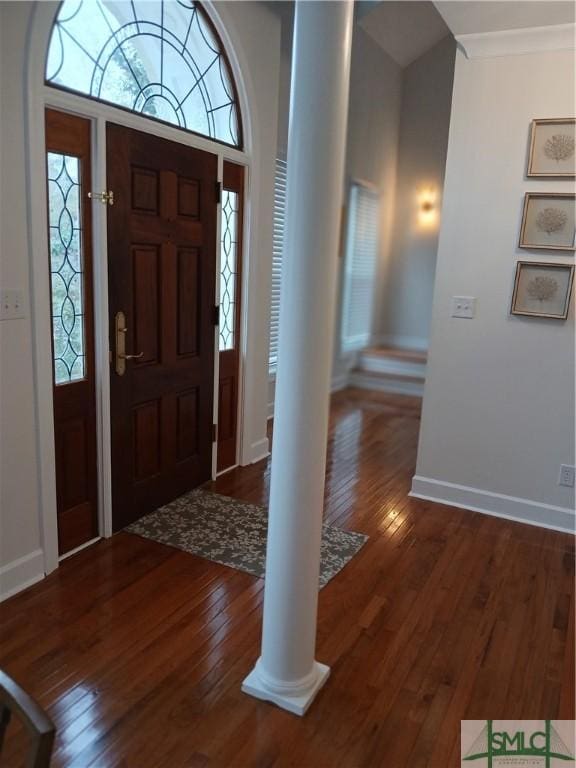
[(161, 267), (70, 245)]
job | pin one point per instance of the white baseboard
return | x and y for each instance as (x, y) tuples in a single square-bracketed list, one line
[(496, 504), (393, 385), (340, 382), (21, 573), (259, 450), (416, 343)]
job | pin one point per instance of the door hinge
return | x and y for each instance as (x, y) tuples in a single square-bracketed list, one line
[(218, 192), (214, 432), (216, 315), (106, 198)]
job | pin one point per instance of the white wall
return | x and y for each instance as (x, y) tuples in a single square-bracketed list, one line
[(498, 416), (406, 308), (255, 32), (20, 542)]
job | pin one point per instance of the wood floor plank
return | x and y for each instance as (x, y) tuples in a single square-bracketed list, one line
[(138, 650)]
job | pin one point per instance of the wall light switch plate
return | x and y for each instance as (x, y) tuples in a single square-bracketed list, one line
[(463, 306), (566, 476), (12, 305)]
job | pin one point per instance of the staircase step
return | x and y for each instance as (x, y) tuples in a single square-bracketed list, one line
[(390, 360), (399, 353), (387, 382)]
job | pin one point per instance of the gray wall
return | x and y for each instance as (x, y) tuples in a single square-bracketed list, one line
[(398, 123), (372, 154), (372, 145), (406, 307)]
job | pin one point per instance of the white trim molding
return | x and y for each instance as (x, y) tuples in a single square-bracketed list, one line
[(21, 573), (259, 450), (339, 382), (510, 42), (495, 504)]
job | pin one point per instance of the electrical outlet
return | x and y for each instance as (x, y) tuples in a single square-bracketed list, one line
[(11, 305), (463, 306), (566, 476)]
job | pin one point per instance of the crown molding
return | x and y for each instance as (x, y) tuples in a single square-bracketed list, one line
[(510, 42)]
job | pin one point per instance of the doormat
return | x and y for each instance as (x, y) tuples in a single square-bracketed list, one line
[(233, 533)]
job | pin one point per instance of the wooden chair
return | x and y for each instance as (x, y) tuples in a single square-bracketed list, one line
[(15, 701)]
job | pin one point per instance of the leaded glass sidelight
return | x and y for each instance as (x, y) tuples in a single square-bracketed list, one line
[(66, 267), (228, 269), (160, 58)]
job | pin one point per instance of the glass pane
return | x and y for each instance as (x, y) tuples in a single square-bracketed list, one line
[(228, 270), (159, 58), (66, 267), (361, 264)]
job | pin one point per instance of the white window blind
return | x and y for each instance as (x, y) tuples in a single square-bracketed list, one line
[(361, 261), (277, 251)]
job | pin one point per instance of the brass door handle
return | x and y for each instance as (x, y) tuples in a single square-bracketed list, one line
[(121, 356)]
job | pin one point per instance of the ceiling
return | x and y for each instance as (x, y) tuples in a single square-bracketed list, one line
[(475, 16), (405, 30)]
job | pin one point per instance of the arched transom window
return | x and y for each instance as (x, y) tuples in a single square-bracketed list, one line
[(161, 58)]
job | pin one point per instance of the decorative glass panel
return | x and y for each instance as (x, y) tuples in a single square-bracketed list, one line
[(66, 267), (228, 269), (160, 58)]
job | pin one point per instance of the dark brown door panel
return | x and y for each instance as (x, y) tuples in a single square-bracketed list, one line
[(162, 262)]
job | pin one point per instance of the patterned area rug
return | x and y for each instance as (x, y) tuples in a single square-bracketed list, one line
[(233, 533)]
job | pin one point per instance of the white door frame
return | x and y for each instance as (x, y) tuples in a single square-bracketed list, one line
[(39, 97)]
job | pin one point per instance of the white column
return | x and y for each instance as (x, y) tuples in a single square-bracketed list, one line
[(286, 672)]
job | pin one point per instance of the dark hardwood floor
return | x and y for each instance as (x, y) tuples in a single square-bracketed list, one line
[(138, 651)]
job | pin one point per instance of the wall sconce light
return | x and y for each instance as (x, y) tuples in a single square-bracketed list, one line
[(427, 208)]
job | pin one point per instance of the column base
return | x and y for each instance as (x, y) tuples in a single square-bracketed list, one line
[(297, 703)]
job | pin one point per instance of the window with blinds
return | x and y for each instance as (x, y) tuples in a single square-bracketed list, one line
[(361, 262), (277, 250)]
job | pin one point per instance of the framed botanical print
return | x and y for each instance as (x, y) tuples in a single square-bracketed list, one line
[(552, 149), (542, 289), (548, 221)]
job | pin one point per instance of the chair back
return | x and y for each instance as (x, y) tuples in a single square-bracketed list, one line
[(41, 731)]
